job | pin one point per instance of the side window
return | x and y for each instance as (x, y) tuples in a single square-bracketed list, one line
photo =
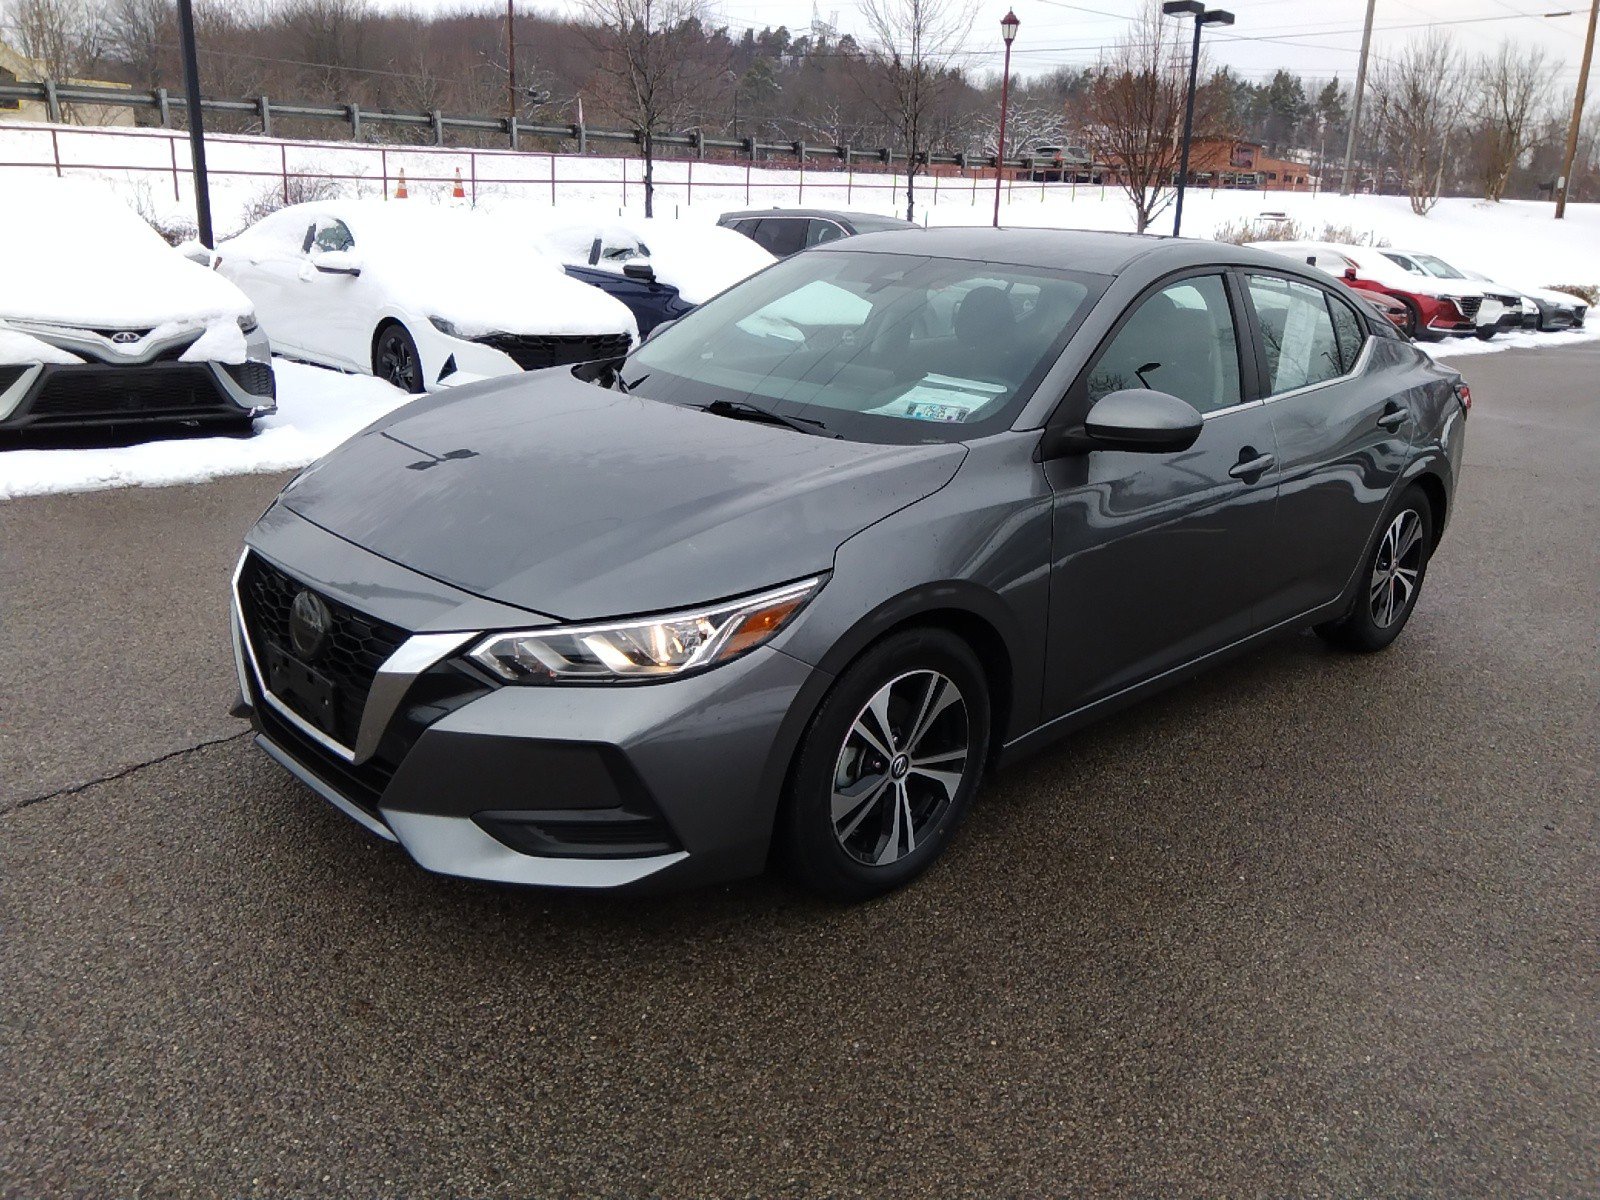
[(1350, 331), (1296, 333), (1180, 341), (781, 236), (818, 232), (332, 234)]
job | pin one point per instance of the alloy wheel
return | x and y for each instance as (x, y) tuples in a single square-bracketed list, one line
[(900, 767), (1396, 569), (396, 362)]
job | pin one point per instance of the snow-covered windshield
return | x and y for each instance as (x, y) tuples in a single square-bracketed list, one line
[(1424, 264), (877, 347)]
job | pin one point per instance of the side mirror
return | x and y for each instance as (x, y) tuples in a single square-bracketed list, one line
[(642, 271), (337, 262), (1350, 274), (1132, 419)]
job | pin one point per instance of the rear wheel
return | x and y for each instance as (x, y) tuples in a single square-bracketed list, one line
[(1392, 580), (1485, 332), (888, 767), (395, 358)]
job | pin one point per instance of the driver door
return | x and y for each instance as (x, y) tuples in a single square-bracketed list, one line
[(331, 322), (1157, 557)]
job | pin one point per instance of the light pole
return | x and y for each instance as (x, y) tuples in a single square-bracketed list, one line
[(197, 133), (1564, 184), (1202, 16), (1008, 31)]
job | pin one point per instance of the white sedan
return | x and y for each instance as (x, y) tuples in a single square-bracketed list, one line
[(422, 296)]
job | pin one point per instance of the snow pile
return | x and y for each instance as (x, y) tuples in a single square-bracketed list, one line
[(1462, 347), (451, 263), (317, 410), (77, 255)]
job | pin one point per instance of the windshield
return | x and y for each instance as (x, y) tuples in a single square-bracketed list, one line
[(875, 347)]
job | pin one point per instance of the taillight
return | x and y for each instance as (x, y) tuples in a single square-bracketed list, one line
[(1464, 394)]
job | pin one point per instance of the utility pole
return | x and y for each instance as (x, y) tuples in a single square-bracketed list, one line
[(197, 134), (511, 70), (1564, 184), (1355, 107)]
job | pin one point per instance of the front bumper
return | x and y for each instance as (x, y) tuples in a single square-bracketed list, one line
[(61, 395), (565, 786)]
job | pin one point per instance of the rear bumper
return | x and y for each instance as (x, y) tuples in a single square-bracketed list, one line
[(651, 785), (41, 396)]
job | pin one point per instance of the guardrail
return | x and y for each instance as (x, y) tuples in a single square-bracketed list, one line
[(359, 120)]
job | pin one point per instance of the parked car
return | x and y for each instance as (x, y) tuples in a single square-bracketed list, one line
[(1438, 308), (785, 231), (422, 296), (1387, 307), (1552, 310), (1517, 313), (872, 521), (660, 269), (103, 324)]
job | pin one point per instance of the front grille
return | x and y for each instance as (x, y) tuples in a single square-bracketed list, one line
[(9, 376), (102, 394), (357, 644), (535, 351), (254, 377), (1469, 306)]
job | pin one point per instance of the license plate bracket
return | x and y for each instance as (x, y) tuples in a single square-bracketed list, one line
[(311, 694)]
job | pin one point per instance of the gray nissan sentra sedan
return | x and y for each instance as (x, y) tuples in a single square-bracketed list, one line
[(792, 577)]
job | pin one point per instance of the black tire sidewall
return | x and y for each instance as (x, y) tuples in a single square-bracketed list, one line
[(1359, 630), (807, 841), (396, 330)]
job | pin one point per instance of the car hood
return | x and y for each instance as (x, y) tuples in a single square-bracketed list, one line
[(577, 502)]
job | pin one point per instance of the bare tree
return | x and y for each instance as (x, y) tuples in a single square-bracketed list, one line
[(657, 65), (1513, 89), (915, 44), (65, 37), (1421, 96), (1133, 112)]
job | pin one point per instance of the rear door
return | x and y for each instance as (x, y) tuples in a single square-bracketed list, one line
[(1157, 557), (1342, 433)]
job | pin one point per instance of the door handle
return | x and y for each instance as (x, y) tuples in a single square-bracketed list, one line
[(1393, 417), (1251, 469)]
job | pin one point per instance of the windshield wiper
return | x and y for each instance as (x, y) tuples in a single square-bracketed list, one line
[(743, 410)]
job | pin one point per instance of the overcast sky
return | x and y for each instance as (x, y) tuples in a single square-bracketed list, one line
[(1321, 37)]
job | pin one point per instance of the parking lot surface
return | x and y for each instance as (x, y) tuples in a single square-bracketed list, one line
[(1314, 925)]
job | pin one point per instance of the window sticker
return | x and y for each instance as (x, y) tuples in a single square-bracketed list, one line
[(942, 398)]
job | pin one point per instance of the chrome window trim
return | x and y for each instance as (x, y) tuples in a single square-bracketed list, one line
[(413, 656), (1358, 369)]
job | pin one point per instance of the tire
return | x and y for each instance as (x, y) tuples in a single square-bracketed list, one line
[(855, 847), (1383, 604), (395, 358), (1414, 323), (1486, 333)]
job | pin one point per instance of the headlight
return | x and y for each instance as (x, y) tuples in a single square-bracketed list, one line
[(445, 327), (646, 648), (248, 323)]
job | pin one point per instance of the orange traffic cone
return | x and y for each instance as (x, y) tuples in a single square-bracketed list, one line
[(460, 192), (400, 192)]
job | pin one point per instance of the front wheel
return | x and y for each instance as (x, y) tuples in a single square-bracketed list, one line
[(395, 358), (888, 767), (1486, 332), (1392, 580)]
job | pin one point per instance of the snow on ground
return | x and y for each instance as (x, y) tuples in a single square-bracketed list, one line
[(317, 410), (1465, 347)]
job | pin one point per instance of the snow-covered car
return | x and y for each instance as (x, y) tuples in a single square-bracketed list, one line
[(1439, 307), (1516, 311), (104, 324), (1557, 309), (660, 269), (419, 295)]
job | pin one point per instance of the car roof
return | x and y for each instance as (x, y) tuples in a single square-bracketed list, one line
[(1064, 249), (827, 214)]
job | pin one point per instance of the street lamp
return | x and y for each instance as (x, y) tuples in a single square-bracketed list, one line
[(1202, 16), (197, 135), (1008, 31)]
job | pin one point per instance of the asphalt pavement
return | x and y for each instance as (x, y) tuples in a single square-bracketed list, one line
[(1314, 925)]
